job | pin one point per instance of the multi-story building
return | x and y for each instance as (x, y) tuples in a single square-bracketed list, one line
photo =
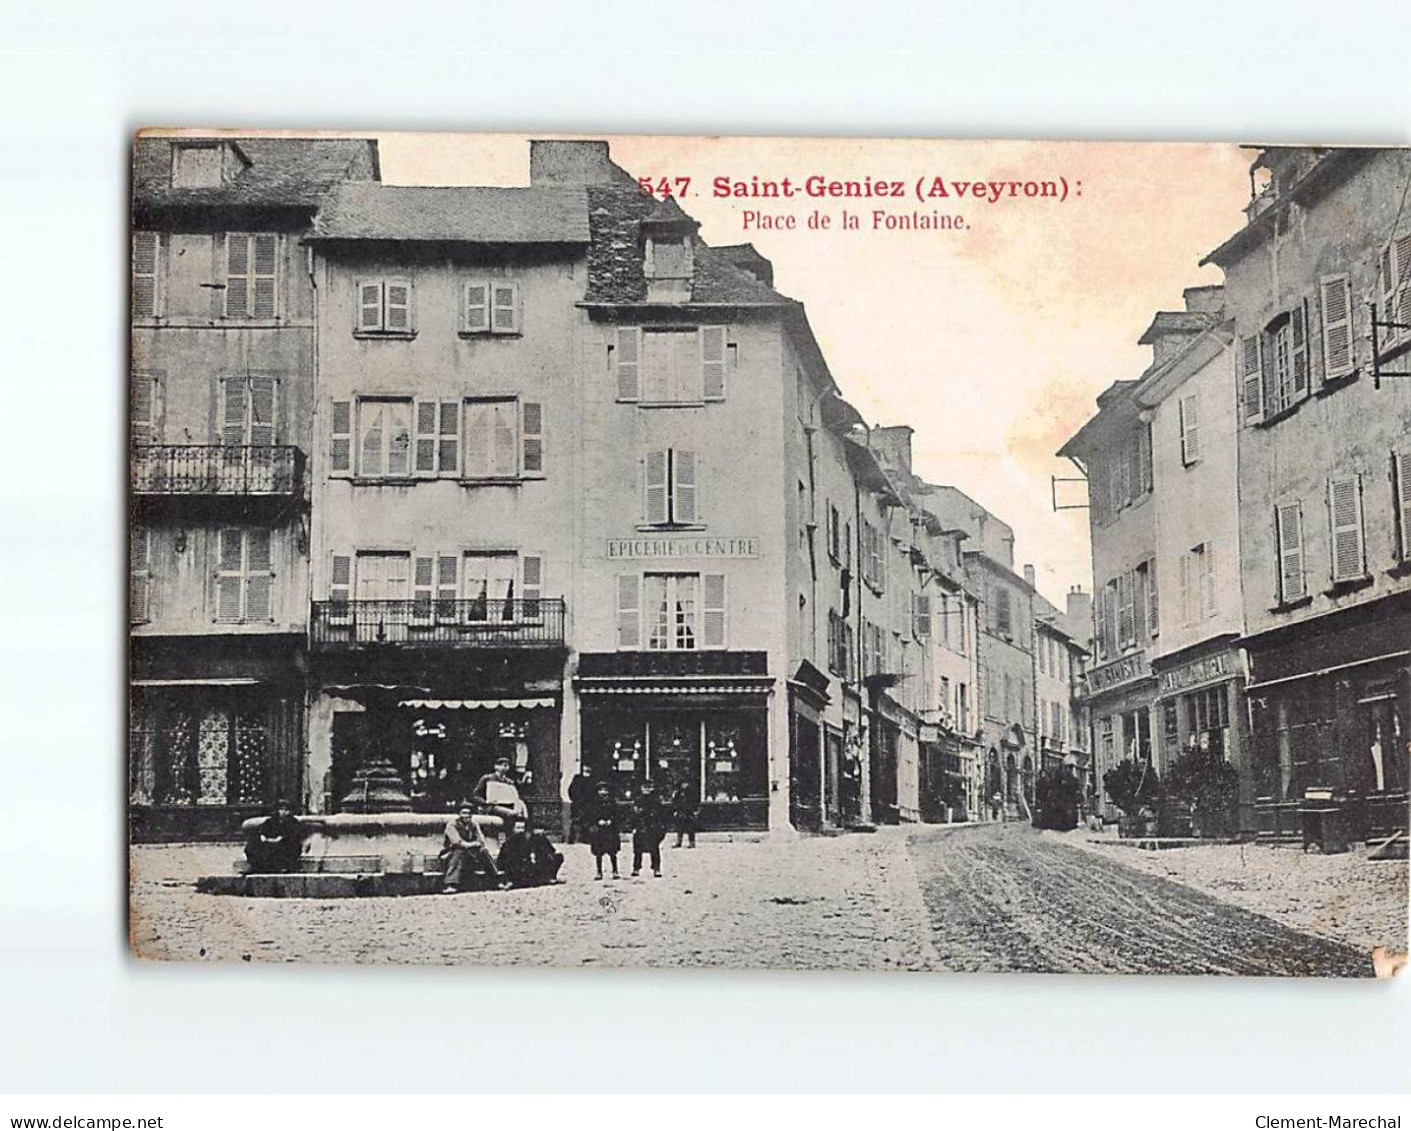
[(221, 423), (1318, 286), (1060, 649)]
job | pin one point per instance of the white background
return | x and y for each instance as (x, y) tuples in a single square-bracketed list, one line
[(76, 1013)]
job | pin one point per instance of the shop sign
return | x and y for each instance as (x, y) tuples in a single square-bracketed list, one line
[(1127, 669), (1198, 671), (682, 546)]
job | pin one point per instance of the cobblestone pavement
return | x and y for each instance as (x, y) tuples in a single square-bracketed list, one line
[(848, 902), (1008, 898)]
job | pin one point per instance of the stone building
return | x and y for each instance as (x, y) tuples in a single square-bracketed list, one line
[(1318, 288), (221, 417)]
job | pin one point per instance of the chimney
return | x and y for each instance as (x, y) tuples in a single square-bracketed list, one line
[(1029, 576), (1205, 300), (1080, 613), (893, 444), (557, 164)]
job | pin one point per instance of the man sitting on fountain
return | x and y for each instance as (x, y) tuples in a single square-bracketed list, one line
[(529, 859), (277, 844), (464, 855), (497, 795)]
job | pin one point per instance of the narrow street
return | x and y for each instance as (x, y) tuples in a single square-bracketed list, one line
[(1006, 898), (991, 898)]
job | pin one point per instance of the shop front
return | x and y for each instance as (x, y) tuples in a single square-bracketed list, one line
[(808, 758), (1119, 696), (693, 719)]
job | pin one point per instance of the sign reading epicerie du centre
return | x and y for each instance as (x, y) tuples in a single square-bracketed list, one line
[(681, 546)]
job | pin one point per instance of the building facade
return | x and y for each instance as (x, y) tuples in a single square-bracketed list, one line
[(1318, 286), (221, 412)]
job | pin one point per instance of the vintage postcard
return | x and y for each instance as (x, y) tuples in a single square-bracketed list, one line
[(770, 553)]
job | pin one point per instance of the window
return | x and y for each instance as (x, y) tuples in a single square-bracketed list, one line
[(840, 646), (962, 707), (1394, 291), (1288, 531), (1199, 596), (835, 552), (384, 307), (491, 307), (1338, 356), (1189, 409), (871, 556), (139, 604), (666, 367), (943, 616), (244, 576), (249, 405), (668, 257), (251, 275), (673, 611), (670, 479), (1401, 501), (1345, 514), (384, 438), (491, 440), (1282, 357), (143, 409), (196, 166), (487, 586), (146, 275), (921, 616), (437, 438)]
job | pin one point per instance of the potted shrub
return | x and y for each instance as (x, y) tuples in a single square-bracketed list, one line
[(1136, 791), (1210, 786), (1056, 798)]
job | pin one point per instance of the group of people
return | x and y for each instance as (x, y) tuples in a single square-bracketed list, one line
[(527, 858), (595, 816)]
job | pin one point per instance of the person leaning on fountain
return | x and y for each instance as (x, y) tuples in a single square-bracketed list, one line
[(277, 843), (463, 852), (496, 795)]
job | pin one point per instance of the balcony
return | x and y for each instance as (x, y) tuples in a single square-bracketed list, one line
[(206, 470), (533, 623)]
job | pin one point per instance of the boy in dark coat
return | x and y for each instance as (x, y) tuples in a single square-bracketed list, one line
[(580, 799), (604, 839), (651, 829), (278, 843), (528, 859), (685, 811)]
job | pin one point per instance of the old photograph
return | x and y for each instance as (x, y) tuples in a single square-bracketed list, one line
[(764, 552)]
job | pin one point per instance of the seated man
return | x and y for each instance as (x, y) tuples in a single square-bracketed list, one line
[(529, 859), (278, 843), (496, 795), (463, 853)]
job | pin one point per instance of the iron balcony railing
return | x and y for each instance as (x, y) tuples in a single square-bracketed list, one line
[(216, 469), (534, 622)]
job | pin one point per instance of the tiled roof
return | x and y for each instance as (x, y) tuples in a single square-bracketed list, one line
[(615, 271), (456, 214), (293, 172), (1176, 322)]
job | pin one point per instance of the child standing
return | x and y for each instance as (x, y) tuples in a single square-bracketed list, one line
[(685, 810), (603, 836), (651, 829)]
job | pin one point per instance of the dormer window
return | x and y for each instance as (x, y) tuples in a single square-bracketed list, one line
[(668, 257), (196, 165)]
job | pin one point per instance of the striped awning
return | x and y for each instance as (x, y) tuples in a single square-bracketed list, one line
[(476, 704), (620, 687)]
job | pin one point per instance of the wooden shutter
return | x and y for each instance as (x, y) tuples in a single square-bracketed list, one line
[(655, 487), (340, 589), (143, 409), (237, 276), (1187, 617), (1336, 291), (448, 447), (340, 447), (259, 576), (264, 409), (1395, 288), (369, 306), (1345, 508), (713, 611), (140, 574), (921, 615), (1209, 595), (531, 584), (427, 436), (397, 313), (265, 275), (1401, 496), (1140, 602), (1251, 363), (713, 362), (504, 314), (1298, 361), (629, 602), (423, 589), (1288, 521), (146, 262), (627, 356), (229, 574), (233, 402), (477, 307), (1190, 428), (684, 473), (1403, 283), (1143, 483), (1153, 604), (531, 437), (447, 586)]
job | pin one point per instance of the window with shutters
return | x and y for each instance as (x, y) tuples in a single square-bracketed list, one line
[(139, 605), (1345, 521), (384, 308), (670, 612), (438, 442), (921, 616), (244, 580), (1282, 356), (663, 367), (144, 410), (871, 555), (384, 438), (249, 410), (835, 552), (1401, 502), (491, 306), (147, 275), (492, 439), (1288, 533), (252, 276), (1394, 294), (1339, 359), (671, 488), (1189, 409)]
